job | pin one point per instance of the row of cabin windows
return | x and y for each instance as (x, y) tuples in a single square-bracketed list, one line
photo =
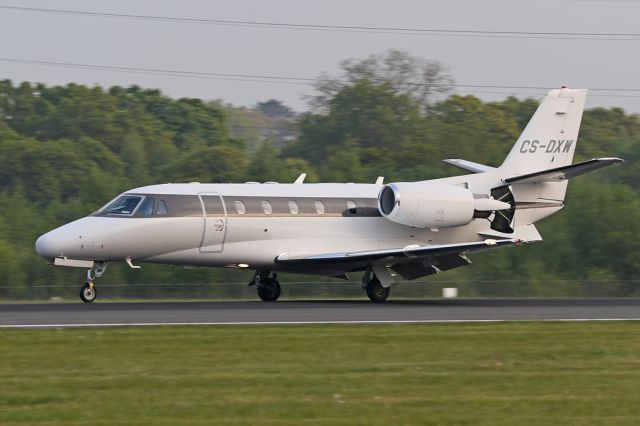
[(187, 205), (267, 208)]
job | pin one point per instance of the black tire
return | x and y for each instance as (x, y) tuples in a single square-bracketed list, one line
[(269, 291), (88, 293), (376, 292)]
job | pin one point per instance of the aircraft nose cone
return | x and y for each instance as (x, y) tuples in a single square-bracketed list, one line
[(45, 246), (76, 240)]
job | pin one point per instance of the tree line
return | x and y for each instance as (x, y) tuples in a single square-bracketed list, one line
[(66, 150)]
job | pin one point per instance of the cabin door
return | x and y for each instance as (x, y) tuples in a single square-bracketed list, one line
[(215, 223)]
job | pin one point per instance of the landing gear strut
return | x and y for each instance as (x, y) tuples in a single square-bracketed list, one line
[(88, 292), (268, 287)]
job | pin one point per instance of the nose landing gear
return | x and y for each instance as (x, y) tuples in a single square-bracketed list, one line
[(88, 292)]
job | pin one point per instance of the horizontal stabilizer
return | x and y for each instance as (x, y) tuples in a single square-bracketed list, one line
[(468, 165), (559, 174)]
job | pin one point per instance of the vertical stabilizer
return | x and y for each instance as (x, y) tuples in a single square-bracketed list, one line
[(550, 138)]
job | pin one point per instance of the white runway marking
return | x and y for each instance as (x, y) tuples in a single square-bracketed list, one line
[(145, 324)]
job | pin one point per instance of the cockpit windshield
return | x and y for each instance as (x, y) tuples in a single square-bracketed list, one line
[(124, 205)]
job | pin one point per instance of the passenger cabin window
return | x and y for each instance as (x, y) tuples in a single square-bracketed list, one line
[(351, 206), (319, 207), (240, 207), (162, 208), (124, 205), (146, 208), (293, 207), (266, 207)]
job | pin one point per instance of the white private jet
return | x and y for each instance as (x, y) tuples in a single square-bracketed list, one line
[(411, 228)]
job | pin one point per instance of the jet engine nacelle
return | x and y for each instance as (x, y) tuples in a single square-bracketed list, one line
[(428, 205)]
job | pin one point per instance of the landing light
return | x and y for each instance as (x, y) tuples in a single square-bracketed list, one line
[(242, 265)]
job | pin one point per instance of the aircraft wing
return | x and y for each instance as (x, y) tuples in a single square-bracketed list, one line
[(393, 255), (559, 174)]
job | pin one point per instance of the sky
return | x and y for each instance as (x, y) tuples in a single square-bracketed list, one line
[(610, 62)]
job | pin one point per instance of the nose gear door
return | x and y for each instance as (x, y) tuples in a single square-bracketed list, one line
[(215, 222)]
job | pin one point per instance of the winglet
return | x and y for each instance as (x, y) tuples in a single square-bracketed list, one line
[(301, 178), (380, 180)]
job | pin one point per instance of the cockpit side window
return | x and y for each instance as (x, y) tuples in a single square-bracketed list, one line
[(162, 208), (147, 206), (124, 205)]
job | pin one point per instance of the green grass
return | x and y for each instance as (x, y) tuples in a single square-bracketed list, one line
[(456, 374)]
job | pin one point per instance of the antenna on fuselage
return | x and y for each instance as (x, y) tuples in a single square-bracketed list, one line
[(301, 178)]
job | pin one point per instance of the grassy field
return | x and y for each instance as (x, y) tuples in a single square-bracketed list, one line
[(455, 374)]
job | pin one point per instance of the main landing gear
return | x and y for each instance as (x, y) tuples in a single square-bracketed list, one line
[(268, 287), (376, 292), (377, 283), (88, 292)]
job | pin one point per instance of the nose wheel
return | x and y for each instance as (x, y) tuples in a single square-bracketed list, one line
[(88, 292)]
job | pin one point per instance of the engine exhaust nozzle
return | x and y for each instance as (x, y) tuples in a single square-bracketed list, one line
[(489, 205)]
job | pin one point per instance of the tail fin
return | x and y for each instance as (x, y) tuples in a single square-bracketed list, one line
[(549, 140), (536, 170)]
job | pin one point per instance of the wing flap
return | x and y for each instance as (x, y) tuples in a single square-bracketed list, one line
[(560, 174), (429, 266)]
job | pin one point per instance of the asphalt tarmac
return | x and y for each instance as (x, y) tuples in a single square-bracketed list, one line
[(303, 312)]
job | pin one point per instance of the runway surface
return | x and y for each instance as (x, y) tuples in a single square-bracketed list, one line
[(302, 312)]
